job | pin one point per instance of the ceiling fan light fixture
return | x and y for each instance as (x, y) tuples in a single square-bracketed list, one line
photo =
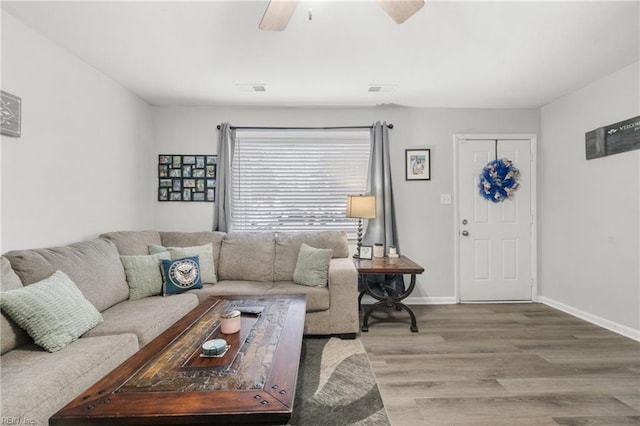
[(279, 12)]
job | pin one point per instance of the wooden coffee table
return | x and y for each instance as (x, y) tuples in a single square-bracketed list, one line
[(168, 382)]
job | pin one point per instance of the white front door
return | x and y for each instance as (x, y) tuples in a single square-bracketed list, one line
[(495, 240)]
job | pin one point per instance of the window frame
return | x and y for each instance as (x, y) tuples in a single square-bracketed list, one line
[(326, 149)]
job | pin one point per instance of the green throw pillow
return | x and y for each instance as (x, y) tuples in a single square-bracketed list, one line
[(204, 253), (312, 267), (53, 311), (143, 274), (155, 249)]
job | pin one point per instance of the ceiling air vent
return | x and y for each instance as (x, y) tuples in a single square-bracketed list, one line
[(375, 88), (252, 87)]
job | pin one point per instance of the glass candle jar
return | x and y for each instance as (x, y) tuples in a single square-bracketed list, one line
[(230, 322), (378, 250)]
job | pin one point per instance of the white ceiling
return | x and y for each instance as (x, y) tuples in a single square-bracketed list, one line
[(450, 54)]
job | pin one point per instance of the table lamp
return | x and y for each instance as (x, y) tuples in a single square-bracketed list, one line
[(361, 207)]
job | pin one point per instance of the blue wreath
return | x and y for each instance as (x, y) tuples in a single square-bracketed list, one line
[(498, 180)]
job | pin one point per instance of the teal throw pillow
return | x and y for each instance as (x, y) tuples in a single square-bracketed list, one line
[(181, 275), (155, 249), (53, 311), (143, 274), (204, 253), (312, 267)]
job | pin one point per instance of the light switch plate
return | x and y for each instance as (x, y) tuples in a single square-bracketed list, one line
[(445, 198)]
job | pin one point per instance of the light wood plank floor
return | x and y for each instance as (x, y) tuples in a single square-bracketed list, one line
[(502, 364)]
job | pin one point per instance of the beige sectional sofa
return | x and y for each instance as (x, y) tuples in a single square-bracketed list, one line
[(35, 383)]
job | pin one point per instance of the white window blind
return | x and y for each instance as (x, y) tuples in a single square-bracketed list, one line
[(297, 180)]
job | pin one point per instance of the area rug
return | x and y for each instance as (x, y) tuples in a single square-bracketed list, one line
[(336, 386)]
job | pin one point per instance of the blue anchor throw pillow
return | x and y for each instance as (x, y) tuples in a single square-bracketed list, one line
[(180, 275)]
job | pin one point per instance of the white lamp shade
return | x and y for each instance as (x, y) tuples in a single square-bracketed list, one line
[(361, 206)]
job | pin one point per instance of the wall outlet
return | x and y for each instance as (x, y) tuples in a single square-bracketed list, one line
[(445, 198)]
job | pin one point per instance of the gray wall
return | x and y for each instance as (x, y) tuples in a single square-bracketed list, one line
[(589, 254), (425, 226), (82, 164)]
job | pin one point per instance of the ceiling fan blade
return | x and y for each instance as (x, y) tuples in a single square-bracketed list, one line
[(277, 15), (401, 10)]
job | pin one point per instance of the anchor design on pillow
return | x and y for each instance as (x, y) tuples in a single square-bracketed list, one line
[(185, 273)]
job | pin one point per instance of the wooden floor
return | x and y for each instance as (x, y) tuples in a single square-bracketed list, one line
[(502, 364)]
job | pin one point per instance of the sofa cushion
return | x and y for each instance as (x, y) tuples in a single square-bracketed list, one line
[(288, 246), (94, 266), (53, 311), (131, 243), (233, 288), (10, 280), (144, 274), (36, 384), (190, 239), (11, 335), (205, 258), (247, 256), (318, 298), (146, 318), (180, 275), (312, 268)]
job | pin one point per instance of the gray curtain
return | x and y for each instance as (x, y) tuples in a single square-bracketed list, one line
[(222, 210), (382, 229)]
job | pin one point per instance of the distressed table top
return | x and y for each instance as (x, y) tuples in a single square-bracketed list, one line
[(168, 380)]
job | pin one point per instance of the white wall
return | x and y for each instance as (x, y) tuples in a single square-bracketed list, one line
[(82, 165), (589, 210), (425, 226)]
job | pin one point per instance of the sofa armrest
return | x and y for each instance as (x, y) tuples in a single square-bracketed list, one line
[(343, 294)]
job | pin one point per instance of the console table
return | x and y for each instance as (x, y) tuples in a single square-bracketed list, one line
[(386, 294)]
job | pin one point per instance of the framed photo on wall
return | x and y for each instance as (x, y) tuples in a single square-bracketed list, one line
[(11, 113), (418, 164)]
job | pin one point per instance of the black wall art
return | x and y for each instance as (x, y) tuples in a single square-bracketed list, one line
[(613, 139), (187, 177)]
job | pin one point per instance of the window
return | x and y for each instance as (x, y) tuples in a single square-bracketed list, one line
[(297, 180)]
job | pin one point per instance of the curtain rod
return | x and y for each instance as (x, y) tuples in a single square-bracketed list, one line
[(301, 128)]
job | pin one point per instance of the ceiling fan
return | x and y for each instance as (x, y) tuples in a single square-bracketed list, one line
[(279, 12)]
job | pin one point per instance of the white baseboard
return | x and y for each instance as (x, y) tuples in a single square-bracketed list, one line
[(417, 300), (594, 319), (424, 300)]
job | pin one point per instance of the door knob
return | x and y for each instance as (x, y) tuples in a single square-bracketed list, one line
[(465, 233)]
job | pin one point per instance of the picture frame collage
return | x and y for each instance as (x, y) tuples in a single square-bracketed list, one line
[(187, 177)]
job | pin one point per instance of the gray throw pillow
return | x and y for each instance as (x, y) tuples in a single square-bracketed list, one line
[(143, 274), (312, 267), (204, 253), (52, 311)]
